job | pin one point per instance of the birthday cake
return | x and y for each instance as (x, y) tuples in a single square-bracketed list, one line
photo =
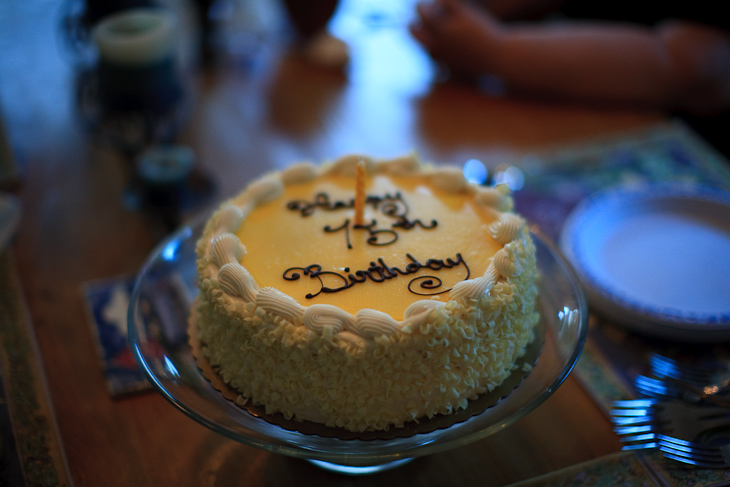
[(363, 294)]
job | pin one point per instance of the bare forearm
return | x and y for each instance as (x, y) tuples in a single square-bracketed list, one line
[(520, 9), (677, 65), (624, 64)]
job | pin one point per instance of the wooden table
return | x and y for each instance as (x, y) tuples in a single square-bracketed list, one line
[(246, 121)]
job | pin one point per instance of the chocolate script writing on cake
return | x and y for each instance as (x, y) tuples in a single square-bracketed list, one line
[(392, 206), (380, 272)]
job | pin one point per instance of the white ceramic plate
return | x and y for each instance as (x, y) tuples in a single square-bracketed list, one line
[(656, 258)]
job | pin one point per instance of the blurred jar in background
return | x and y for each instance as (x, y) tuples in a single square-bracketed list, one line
[(137, 67)]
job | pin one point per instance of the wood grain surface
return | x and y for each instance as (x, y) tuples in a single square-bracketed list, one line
[(245, 120)]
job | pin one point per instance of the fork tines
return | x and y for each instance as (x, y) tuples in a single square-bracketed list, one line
[(707, 456), (640, 423), (675, 416), (652, 387), (663, 366), (672, 388), (637, 423)]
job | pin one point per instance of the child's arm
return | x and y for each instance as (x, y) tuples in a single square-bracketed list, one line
[(677, 65)]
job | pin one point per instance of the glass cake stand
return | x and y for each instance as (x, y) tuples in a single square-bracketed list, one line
[(158, 321)]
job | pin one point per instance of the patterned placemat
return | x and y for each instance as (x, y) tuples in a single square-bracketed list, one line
[(30, 447), (631, 469), (554, 182)]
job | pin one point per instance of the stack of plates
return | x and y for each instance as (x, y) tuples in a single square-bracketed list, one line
[(656, 258)]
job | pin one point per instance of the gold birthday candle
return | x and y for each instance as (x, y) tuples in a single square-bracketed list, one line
[(359, 192)]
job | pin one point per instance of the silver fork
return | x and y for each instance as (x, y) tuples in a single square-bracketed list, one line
[(677, 389), (641, 422), (701, 455), (711, 379)]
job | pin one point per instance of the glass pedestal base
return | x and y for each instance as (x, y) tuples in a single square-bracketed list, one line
[(159, 313), (360, 470)]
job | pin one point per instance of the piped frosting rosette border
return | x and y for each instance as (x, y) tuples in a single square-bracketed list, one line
[(435, 337)]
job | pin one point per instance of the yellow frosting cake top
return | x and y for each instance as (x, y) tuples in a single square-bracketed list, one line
[(416, 242), (289, 244)]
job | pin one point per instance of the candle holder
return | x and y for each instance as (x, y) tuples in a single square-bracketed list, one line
[(78, 18), (134, 95), (137, 67)]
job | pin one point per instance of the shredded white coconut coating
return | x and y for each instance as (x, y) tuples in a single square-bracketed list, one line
[(368, 372)]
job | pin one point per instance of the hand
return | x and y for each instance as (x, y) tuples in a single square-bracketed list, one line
[(457, 34)]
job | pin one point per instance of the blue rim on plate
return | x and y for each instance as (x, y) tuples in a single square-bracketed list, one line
[(661, 298)]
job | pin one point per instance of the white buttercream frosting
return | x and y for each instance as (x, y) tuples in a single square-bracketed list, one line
[(278, 303), (236, 281), (226, 248), (299, 173), (497, 197), (345, 166), (507, 262), (372, 323), (368, 371), (475, 288), (450, 179), (506, 228), (229, 218), (265, 189), (400, 166), (420, 307), (320, 316)]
